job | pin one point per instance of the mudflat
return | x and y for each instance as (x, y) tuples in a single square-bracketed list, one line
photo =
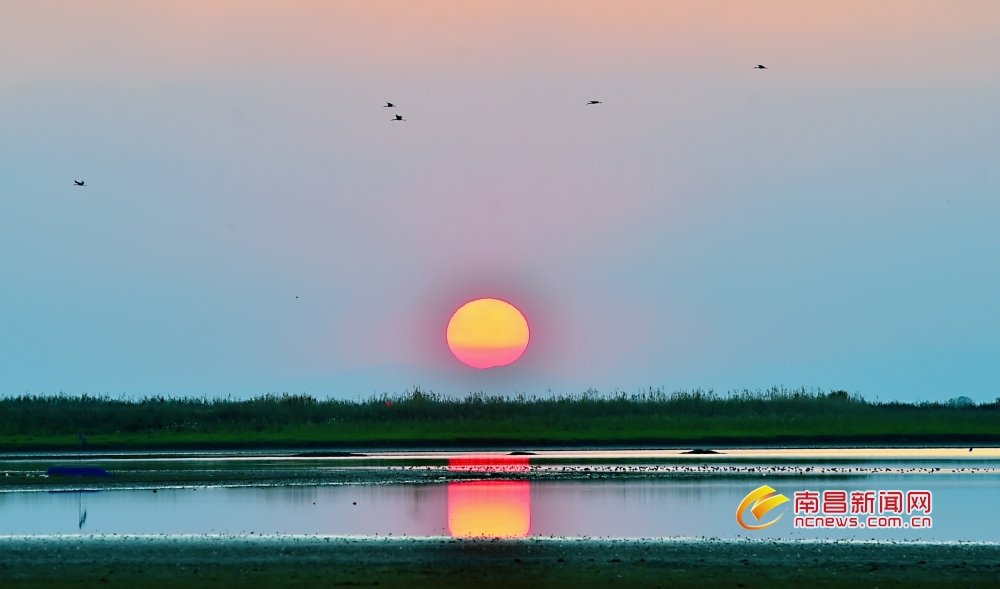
[(190, 562)]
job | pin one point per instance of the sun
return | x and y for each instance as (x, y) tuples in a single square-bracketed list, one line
[(486, 333)]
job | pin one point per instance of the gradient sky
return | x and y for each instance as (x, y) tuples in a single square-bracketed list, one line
[(831, 222)]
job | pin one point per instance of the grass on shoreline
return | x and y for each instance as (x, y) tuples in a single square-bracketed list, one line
[(424, 419)]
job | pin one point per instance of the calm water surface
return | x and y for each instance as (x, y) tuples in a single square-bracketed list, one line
[(664, 507), (961, 510)]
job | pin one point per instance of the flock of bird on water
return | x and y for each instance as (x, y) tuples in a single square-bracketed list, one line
[(598, 470), (399, 117)]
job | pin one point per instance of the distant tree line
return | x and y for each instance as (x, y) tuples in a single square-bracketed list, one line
[(649, 415)]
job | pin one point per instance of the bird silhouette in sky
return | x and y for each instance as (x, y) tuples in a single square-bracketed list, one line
[(389, 105), (760, 67), (595, 102), (399, 118), (79, 183)]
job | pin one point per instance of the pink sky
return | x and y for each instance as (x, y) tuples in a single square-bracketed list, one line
[(708, 225)]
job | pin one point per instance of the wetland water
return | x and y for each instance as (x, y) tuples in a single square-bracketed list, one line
[(614, 494)]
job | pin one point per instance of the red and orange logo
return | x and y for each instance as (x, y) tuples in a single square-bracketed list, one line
[(760, 501)]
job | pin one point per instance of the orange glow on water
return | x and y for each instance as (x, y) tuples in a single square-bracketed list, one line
[(487, 333), (491, 509)]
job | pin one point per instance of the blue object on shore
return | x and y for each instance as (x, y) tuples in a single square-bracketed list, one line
[(77, 471)]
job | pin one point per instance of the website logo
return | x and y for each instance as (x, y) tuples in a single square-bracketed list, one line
[(863, 508), (760, 502)]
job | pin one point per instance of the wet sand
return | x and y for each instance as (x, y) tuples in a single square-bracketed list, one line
[(414, 563), (138, 470)]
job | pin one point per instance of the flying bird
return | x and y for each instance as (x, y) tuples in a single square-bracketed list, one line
[(79, 182), (595, 102), (389, 105), (399, 118), (760, 67)]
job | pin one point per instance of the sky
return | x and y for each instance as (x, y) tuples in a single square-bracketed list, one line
[(253, 222)]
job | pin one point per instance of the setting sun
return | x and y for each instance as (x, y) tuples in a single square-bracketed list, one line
[(486, 333)]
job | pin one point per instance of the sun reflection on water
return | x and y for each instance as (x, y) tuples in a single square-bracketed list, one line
[(492, 508)]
